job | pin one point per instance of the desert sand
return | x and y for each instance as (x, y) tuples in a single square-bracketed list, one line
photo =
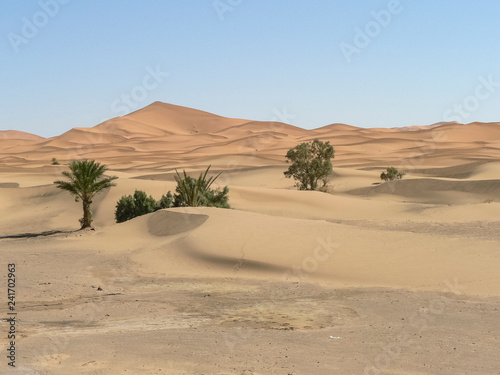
[(401, 277)]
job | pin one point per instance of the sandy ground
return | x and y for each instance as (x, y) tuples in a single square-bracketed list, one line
[(369, 278)]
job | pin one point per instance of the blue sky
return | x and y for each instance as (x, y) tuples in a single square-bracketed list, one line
[(70, 63)]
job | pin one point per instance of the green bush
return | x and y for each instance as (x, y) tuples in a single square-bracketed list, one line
[(216, 198), (129, 206), (166, 201), (55, 162), (125, 209), (392, 174), (192, 192)]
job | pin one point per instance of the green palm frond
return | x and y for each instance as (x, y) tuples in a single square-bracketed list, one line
[(192, 190), (86, 179)]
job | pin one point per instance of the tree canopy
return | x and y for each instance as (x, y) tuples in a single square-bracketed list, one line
[(311, 162), (392, 174), (86, 179)]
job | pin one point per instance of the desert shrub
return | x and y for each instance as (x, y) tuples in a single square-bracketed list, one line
[(216, 198), (189, 192), (143, 203), (55, 162), (311, 163), (139, 204), (193, 192), (125, 209), (392, 174), (166, 201)]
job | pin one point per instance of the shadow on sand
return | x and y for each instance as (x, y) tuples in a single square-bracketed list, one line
[(41, 234)]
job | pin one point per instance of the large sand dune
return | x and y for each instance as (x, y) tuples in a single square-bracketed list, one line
[(178, 134), (287, 282)]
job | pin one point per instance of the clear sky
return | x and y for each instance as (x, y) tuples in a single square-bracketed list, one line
[(75, 63)]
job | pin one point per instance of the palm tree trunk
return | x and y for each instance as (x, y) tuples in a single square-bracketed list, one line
[(87, 215)]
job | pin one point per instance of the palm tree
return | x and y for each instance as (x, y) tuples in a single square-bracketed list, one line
[(86, 180)]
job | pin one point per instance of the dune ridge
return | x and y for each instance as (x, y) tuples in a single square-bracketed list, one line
[(16, 134), (178, 135)]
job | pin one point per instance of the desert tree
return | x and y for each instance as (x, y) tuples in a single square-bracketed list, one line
[(86, 179), (311, 162), (392, 174)]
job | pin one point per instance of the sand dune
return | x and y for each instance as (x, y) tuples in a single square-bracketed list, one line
[(281, 266), (181, 120), (336, 127), (15, 134), (170, 130), (438, 190)]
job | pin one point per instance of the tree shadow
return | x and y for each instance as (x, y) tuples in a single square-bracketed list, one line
[(41, 234)]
